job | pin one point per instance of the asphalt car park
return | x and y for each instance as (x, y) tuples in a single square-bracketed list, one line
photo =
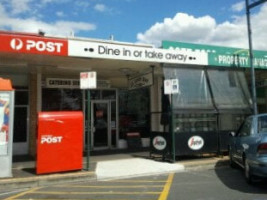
[(153, 187), (220, 183)]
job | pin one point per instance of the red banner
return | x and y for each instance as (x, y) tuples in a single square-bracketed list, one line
[(60, 141), (33, 45)]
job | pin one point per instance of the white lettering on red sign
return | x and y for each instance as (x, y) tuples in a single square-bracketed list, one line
[(49, 139), (34, 45), (44, 46)]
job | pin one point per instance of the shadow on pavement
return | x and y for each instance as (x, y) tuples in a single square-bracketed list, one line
[(235, 180), (30, 170), (22, 158)]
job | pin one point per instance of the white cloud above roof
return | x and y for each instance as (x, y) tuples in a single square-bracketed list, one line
[(20, 6), (10, 20), (100, 7), (238, 7), (188, 28)]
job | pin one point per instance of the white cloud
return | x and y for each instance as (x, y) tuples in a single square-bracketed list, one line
[(54, 1), (2, 11), (83, 4), (187, 28), (60, 14), (100, 7), (182, 27), (47, 1), (238, 7), (20, 6), (32, 24), (59, 28)]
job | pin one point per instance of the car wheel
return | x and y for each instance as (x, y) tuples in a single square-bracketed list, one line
[(248, 176)]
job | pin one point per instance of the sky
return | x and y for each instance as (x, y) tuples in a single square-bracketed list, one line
[(213, 22)]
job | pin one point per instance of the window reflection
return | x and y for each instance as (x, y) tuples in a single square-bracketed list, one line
[(229, 89), (61, 99), (194, 91), (134, 111)]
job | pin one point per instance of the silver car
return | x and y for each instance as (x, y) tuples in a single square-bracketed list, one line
[(248, 147)]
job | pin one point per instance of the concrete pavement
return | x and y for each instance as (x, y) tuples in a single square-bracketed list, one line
[(103, 167), (133, 167)]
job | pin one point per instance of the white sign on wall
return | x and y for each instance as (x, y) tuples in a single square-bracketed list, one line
[(62, 83), (171, 86), (135, 53), (141, 81), (71, 83), (88, 80)]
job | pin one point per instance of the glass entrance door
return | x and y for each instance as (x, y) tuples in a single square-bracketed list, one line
[(100, 125), (103, 119)]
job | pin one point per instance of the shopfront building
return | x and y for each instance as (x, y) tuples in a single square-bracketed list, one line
[(45, 72), (212, 100)]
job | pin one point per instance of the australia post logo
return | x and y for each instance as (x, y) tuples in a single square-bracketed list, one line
[(159, 143), (50, 139), (34, 45), (16, 44)]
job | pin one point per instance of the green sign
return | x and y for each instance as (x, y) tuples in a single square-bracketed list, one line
[(222, 56)]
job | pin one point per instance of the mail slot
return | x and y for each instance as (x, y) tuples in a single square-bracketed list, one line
[(60, 141)]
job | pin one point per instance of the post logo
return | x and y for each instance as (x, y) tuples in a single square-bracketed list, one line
[(16, 44), (34, 45), (159, 143), (50, 139), (195, 142), (39, 46)]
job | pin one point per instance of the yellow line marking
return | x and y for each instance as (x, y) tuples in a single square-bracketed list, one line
[(22, 194), (139, 181), (110, 186), (80, 199), (110, 193), (165, 192)]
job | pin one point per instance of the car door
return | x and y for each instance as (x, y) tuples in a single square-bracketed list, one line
[(242, 140)]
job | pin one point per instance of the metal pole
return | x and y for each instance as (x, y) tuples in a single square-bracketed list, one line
[(253, 87), (88, 129), (172, 132), (256, 3)]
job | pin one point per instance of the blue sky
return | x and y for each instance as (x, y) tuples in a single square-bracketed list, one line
[(219, 22)]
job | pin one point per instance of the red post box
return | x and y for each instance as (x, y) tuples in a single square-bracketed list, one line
[(60, 141)]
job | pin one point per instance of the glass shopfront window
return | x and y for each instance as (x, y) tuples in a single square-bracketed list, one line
[(230, 121), (194, 122), (193, 88), (230, 89), (229, 92), (134, 112), (61, 99)]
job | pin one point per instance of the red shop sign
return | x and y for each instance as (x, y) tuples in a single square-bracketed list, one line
[(33, 45)]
